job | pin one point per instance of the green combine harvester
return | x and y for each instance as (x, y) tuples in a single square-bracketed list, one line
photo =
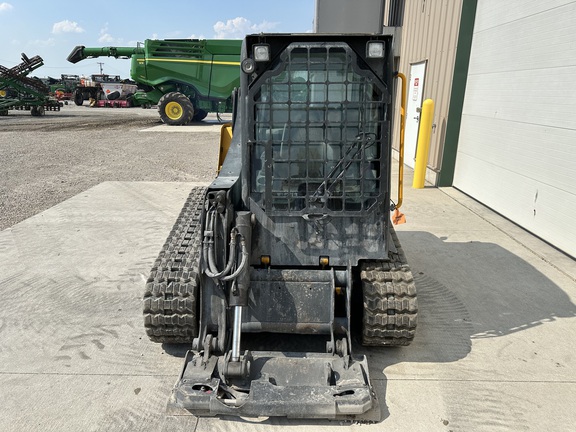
[(18, 91), (186, 78)]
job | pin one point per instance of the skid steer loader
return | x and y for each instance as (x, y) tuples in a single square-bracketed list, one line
[(292, 233)]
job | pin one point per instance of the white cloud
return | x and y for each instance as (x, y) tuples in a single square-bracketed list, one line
[(239, 27), (105, 37), (67, 27), (5, 7)]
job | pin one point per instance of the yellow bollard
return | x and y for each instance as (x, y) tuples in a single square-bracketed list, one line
[(423, 146)]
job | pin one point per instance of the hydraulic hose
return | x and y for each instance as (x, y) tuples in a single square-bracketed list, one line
[(243, 263), (209, 253)]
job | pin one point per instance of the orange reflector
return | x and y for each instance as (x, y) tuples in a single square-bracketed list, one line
[(265, 260), (398, 217), (324, 261)]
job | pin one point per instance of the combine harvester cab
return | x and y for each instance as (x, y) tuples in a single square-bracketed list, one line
[(293, 232), (186, 78)]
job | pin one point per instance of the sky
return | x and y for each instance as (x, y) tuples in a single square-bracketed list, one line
[(51, 29)]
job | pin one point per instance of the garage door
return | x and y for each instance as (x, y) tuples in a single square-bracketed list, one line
[(517, 144)]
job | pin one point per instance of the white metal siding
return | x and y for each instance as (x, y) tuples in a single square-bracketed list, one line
[(517, 145)]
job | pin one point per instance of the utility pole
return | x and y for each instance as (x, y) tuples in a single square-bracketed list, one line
[(101, 64)]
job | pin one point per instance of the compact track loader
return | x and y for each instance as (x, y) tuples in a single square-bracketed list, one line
[(292, 234)]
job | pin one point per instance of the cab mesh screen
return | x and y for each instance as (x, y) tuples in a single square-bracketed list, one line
[(317, 136)]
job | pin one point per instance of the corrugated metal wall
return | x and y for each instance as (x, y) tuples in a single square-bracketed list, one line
[(517, 145), (430, 32)]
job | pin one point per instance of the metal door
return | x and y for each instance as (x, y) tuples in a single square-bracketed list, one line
[(415, 92)]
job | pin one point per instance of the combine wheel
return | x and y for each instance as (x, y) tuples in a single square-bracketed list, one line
[(199, 115), (390, 305), (170, 298), (175, 109)]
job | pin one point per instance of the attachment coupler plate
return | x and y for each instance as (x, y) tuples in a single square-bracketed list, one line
[(279, 384)]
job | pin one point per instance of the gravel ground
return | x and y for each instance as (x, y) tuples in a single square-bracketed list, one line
[(46, 160)]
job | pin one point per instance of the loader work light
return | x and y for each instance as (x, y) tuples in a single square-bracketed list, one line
[(261, 53), (375, 49)]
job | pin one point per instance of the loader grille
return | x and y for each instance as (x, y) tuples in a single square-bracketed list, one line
[(318, 134)]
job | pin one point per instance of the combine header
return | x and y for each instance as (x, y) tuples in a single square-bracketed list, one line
[(18, 91)]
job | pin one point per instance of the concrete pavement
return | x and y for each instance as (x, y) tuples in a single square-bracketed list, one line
[(494, 349)]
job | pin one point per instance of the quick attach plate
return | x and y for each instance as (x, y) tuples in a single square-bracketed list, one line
[(293, 385)]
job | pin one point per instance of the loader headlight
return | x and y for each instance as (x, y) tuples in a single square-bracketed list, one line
[(375, 49), (261, 52), (248, 66)]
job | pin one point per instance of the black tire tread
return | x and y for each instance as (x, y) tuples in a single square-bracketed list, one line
[(185, 103), (171, 292), (199, 115), (390, 300), (78, 98)]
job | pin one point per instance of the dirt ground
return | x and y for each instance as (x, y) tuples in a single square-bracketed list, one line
[(46, 160)]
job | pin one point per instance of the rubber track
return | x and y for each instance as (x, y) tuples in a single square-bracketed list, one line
[(390, 304), (170, 297)]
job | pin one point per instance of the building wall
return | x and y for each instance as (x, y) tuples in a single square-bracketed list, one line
[(345, 16), (430, 32), (517, 143)]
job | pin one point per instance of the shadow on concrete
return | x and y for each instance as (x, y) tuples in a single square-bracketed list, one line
[(176, 350), (469, 291)]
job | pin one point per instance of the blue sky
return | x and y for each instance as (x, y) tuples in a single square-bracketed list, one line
[(51, 29)]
